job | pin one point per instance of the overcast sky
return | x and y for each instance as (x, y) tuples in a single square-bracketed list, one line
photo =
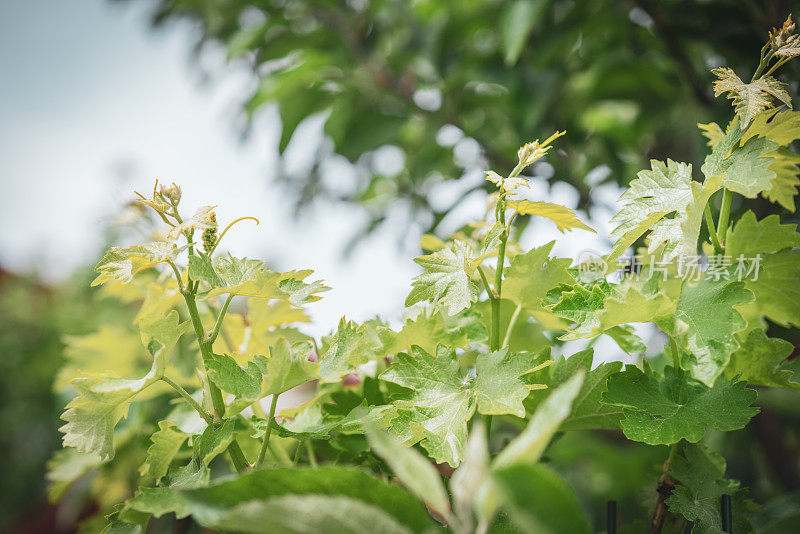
[(95, 104)]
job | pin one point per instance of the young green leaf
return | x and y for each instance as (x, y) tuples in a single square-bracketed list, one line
[(750, 236), (634, 307), (747, 169), (499, 386), (664, 410), (122, 263), (777, 295), (532, 274), (66, 467), (242, 382), (213, 442), (749, 98), (347, 349), (249, 278), (288, 366), (439, 396), (426, 330), (564, 218), (704, 323), (101, 402), (759, 360), (653, 194), (447, 280), (580, 305), (167, 441), (203, 219)]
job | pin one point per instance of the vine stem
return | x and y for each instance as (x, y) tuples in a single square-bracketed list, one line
[(270, 421), (498, 277), (724, 216), (312, 459), (664, 490), (220, 319), (712, 230), (188, 398), (489, 290), (235, 451), (676, 355), (511, 323)]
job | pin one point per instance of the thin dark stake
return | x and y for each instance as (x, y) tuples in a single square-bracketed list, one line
[(727, 513), (611, 517)]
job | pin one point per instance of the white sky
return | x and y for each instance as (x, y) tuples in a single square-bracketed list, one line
[(94, 104)]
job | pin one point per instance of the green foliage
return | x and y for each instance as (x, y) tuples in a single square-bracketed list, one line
[(700, 473), (666, 410), (466, 385)]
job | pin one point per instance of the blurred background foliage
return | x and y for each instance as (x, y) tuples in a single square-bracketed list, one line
[(433, 82), (436, 82)]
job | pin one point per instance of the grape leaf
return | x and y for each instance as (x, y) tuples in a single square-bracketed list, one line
[(498, 384), (167, 441), (313, 423), (161, 333), (103, 399), (447, 280), (704, 323), (781, 128), (66, 467), (588, 410), (664, 189), (662, 411), (532, 274), (347, 349), (427, 330), (101, 402), (440, 396), (122, 263), (203, 219), (213, 441), (249, 278), (110, 347), (242, 382), (749, 98), (288, 366), (750, 236), (564, 218), (777, 295), (634, 307), (746, 169), (700, 472), (758, 360), (580, 306), (443, 398)]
